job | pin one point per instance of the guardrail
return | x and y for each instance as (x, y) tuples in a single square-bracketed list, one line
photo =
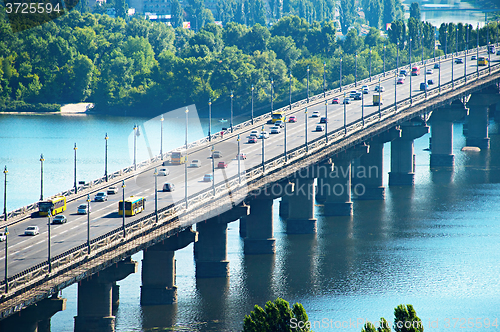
[(102, 244)]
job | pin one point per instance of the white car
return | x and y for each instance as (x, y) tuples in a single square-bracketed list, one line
[(82, 209), (264, 134), (32, 231), (254, 133), (429, 71), (3, 236), (112, 190), (275, 130), (379, 87), (163, 171), (195, 163), (365, 89), (320, 128), (315, 114), (279, 123)]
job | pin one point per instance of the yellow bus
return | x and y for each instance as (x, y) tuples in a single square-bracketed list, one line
[(278, 116), (55, 205), (178, 157), (482, 61), (133, 206)]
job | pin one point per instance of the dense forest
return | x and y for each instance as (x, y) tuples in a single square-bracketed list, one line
[(149, 68)]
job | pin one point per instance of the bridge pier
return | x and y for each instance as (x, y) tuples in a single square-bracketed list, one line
[(301, 204), (402, 154), (35, 318), (158, 269), (284, 205), (370, 173), (210, 251), (259, 227), (477, 133), (338, 183), (95, 304)]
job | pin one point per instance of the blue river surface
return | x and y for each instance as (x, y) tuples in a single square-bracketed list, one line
[(436, 246)]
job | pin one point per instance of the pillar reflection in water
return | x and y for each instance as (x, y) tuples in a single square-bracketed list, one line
[(258, 278), (158, 316)]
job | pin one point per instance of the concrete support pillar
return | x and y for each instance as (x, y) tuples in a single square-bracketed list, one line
[(338, 189), (478, 104), (158, 269), (284, 206), (323, 170), (116, 296), (301, 205), (369, 173), (442, 134), (402, 154), (211, 250), (95, 298), (260, 236), (243, 227), (35, 318)]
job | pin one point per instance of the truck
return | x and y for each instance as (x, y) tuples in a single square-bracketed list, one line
[(377, 99), (178, 157)]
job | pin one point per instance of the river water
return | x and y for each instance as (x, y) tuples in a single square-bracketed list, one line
[(435, 246)]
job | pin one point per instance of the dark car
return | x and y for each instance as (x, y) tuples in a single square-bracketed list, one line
[(100, 197), (59, 219), (323, 120), (430, 82), (222, 164), (436, 66), (424, 86), (168, 187), (459, 60)]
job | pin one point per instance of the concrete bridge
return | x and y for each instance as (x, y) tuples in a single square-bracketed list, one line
[(300, 165)]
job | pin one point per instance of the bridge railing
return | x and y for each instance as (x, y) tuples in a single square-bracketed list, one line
[(171, 213)]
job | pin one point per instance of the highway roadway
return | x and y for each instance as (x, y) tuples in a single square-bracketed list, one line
[(27, 251)]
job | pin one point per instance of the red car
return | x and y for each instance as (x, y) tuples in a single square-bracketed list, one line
[(222, 164), (241, 156), (335, 100), (400, 80), (252, 139), (292, 118)]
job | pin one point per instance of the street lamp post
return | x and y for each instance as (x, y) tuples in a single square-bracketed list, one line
[(88, 224), (397, 58), (213, 171), (263, 149), (326, 123), (231, 123), (439, 75), (284, 137), (363, 108), (5, 171), (356, 70), (411, 100), (425, 78), (48, 251), (290, 90), (123, 208), (6, 260), (106, 157), (41, 176), (252, 103), (434, 44), (324, 79), (135, 149), (384, 60), (161, 133), (345, 117), (305, 127), (396, 92), (452, 65), (156, 194), (340, 75), (422, 42), (379, 102), (487, 45), (445, 43), (308, 84), (186, 147), (210, 119), (477, 51), (76, 187), (370, 72), (239, 160), (272, 95), (456, 41)]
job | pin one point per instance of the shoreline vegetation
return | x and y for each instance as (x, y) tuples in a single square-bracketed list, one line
[(40, 109), (138, 67)]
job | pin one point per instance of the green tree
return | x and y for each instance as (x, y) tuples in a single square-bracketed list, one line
[(177, 13), (415, 11), (406, 319), (277, 316), (346, 12), (373, 12)]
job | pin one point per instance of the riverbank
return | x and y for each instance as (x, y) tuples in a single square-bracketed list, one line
[(68, 109)]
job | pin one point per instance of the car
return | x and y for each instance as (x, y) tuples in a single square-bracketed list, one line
[(32, 231), (498, 52), (275, 130), (3, 236), (315, 114), (195, 163), (252, 139), (459, 60), (264, 134), (347, 100), (430, 82), (379, 87), (353, 93), (168, 187), (400, 80), (473, 57), (429, 71), (82, 209), (59, 219), (254, 133), (323, 120), (279, 124), (208, 178), (335, 100), (436, 66), (241, 156), (319, 128), (292, 118), (217, 154), (163, 171), (365, 89), (222, 164), (358, 96), (100, 197), (112, 190), (403, 72), (424, 86)]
